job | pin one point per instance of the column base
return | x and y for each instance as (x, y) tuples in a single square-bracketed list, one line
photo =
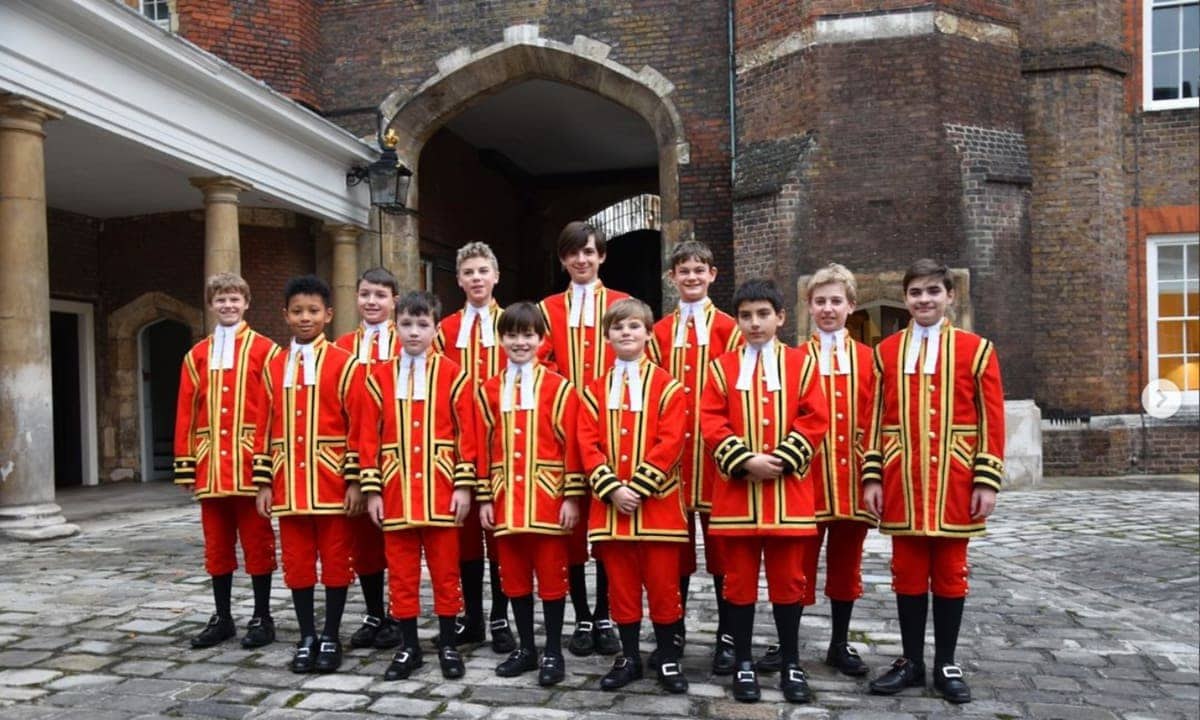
[(35, 522)]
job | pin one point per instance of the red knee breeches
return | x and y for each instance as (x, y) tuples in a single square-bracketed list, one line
[(784, 560), (920, 563), (632, 565), (224, 520), (524, 555), (843, 560), (366, 549), (306, 539), (404, 570)]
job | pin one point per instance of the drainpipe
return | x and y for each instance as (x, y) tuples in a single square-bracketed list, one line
[(732, 88)]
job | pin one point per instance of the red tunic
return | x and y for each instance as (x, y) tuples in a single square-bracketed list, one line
[(689, 365), (234, 397), (934, 437), (352, 341), (639, 450), (307, 449), (529, 458), (478, 361), (578, 353), (789, 424), (417, 452)]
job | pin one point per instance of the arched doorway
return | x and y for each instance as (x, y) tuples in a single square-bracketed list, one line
[(161, 347), (877, 320)]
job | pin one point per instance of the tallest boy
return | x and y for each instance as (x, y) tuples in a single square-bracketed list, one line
[(576, 349)]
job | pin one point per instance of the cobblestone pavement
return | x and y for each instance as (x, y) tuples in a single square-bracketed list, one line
[(1084, 604)]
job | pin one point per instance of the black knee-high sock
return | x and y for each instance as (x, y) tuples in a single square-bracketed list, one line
[(372, 590), (668, 640), (446, 627), (912, 610), (601, 591), (472, 589), (947, 618), (787, 624), (740, 621), (578, 587), (839, 611), (523, 615), (408, 631), (262, 595), (722, 606), (222, 590), (685, 581), (553, 611), (630, 640), (302, 601), (499, 599), (335, 605)]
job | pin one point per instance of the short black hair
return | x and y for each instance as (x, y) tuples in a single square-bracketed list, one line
[(380, 276), (521, 316), (419, 302), (758, 289), (306, 285), (574, 237)]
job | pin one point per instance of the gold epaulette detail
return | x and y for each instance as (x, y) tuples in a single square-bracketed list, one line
[(872, 468), (262, 474), (796, 451), (574, 485), (731, 453), (603, 481), (647, 479), (185, 470), (370, 480), (464, 475), (989, 470)]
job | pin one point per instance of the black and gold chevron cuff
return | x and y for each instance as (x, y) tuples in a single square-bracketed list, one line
[(464, 475), (262, 474), (731, 453), (603, 481), (574, 485), (647, 479), (185, 470), (872, 469), (351, 467), (370, 480), (989, 470), (795, 451)]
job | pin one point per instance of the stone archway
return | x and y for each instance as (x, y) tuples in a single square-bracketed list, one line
[(120, 451), (464, 77)]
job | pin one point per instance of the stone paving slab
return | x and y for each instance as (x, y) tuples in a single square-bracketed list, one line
[(1083, 604)]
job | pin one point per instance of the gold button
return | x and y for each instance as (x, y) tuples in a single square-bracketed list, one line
[(765, 400), (687, 390), (766, 446), (417, 475), (687, 368), (224, 452), (416, 448), (841, 438), (841, 416), (843, 461), (587, 343), (624, 458), (687, 436), (298, 412), (933, 459), (517, 431), (624, 431), (225, 389), (519, 478), (416, 423), (301, 463), (225, 410), (224, 431), (766, 421), (299, 438), (932, 434), (933, 411), (516, 454), (838, 393)]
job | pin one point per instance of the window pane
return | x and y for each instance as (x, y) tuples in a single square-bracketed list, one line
[(1192, 331), (1191, 26), (1170, 300), (1170, 262), (1172, 369), (1191, 375), (1170, 337), (1166, 30), (1166, 77), (1192, 252), (1191, 74)]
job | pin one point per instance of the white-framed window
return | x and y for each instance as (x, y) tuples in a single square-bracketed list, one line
[(159, 11), (1171, 53), (1173, 311)]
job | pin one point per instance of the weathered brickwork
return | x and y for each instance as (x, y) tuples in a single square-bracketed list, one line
[(1124, 448)]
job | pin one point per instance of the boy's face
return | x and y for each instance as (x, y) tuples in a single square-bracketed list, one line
[(521, 346), (375, 302), (306, 316), (927, 299), (758, 321), (583, 265), (829, 306), (478, 279), (692, 278), (229, 307), (628, 338), (416, 332)]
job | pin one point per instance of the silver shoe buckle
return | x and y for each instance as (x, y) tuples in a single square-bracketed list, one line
[(952, 672), (669, 669), (745, 676)]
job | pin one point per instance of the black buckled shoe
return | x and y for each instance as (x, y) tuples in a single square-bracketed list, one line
[(671, 678), (502, 636), (304, 660), (403, 664), (451, 663), (364, 637), (624, 671), (772, 661), (519, 661), (794, 684), (948, 680), (846, 660), (329, 656), (605, 639), (581, 642), (389, 636), (745, 683), (552, 671), (217, 631), (724, 661), (904, 673), (260, 631), (466, 632)]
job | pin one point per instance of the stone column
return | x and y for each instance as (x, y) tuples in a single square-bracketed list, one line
[(344, 278), (27, 509), (222, 247)]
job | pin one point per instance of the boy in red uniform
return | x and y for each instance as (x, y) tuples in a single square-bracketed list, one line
[(469, 337), (575, 348), (630, 439), (934, 462), (848, 380), (763, 415), (684, 342), (306, 466), (418, 453), (373, 341), (219, 405), (529, 486)]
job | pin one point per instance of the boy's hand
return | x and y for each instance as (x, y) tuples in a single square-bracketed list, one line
[(375, 509), (568, 514), (354, 503), (626, 500), (983, 502), (487, 516), (763, 467), (873, 497), (460, 504), (262, 501)]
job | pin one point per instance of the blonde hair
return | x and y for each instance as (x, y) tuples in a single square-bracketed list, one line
[(626, 309), (833, 273), (475, 250), (225, 282)]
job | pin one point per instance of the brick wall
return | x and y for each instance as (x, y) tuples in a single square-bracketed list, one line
[(74, 250), (1124, 449)]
